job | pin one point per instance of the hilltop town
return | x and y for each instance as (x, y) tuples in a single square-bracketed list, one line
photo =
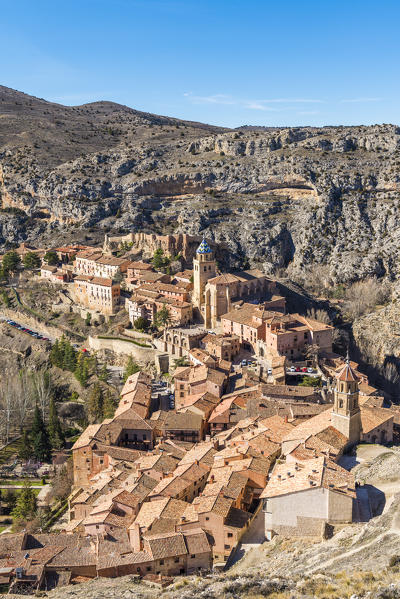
[(235, 424)]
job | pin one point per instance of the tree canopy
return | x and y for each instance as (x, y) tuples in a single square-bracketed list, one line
[(31, 261), (130, 368), (40, 438), (11, 261), (26, 506), (51, 258)]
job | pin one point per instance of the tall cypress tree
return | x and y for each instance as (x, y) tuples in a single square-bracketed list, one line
[(26, 506), (26, 447), (56, 433), (96, 404), (108, 406), (40, 438)]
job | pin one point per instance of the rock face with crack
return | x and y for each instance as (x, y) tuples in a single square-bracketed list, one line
[(277, 197)]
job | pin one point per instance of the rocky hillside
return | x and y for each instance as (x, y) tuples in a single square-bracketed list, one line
[(277, 197)]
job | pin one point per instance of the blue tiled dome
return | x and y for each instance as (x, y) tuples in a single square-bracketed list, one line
[(204, 248)]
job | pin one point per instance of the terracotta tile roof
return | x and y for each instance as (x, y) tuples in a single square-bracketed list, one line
[(372, 418), (196, 541), (217, 504), (88, 434), (269, 390), (223, 279), (318, 472), (347, 373), (202, 452), (183, 421), (140, 266), (165, 545), (314, 425), (237, 518)]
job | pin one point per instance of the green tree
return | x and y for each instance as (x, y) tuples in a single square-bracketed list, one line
[(82, 369), (160, 261), (11, 260), (95, 403), (103, 374), (108, 406), (88, 319), (51, 258), (10, 499), (69, 355), (130, 368), (181, 362), (56, 354), (162, 318), (56, 433), (40, 437), (31, 261), (141, 324), (26, 451), (26, 507), (310, 381)]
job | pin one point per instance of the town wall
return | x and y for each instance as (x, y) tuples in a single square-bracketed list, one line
[(120, 346)]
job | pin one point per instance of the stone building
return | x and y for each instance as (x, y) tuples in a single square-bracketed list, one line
[(179, 341), (300, 498), (214, 294), (97, 293), (346, 415), (268, 332), (94, 263)]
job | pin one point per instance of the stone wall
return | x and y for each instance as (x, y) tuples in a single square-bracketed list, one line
[(32, 322), (120, 346)]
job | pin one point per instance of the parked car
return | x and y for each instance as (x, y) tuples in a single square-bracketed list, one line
[(304, 369), (269, 371), (310, 370), (292, 369), (244, 362), (298, 369)]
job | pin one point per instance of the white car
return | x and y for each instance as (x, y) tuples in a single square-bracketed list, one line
[(292, 369), (269, 371), (310, 370)]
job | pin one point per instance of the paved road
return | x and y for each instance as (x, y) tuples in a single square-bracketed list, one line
[(4, 318)]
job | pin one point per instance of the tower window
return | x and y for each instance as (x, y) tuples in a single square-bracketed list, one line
[(205, 268), (341, 403)]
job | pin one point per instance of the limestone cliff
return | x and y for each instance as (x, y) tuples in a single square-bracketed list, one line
[(276, 197)]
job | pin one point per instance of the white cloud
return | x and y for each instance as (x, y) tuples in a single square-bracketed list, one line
[(263, 105), (356, 100)]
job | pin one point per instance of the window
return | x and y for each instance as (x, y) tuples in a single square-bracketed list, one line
[(161, 562), (207, 518), (230, 534), (148, 568), (193, 556), (227, 546), (176, 560)]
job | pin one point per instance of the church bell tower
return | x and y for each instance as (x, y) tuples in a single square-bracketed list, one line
[(203, 269), (346, 416)]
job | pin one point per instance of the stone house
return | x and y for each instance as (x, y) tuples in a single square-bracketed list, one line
[(98, 294), (300, 498), (186, 427), (224, 347)]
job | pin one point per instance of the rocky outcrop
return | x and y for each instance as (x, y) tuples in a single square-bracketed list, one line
[(278, 198)]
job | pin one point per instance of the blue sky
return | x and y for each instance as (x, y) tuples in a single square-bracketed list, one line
[(226, 62)]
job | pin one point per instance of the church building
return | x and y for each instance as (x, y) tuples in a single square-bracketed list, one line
[(213, 294)]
